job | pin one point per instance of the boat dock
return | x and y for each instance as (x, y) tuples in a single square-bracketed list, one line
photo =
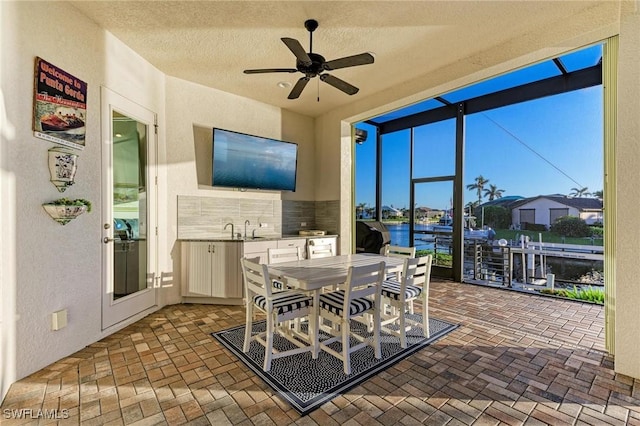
[(524, 265)]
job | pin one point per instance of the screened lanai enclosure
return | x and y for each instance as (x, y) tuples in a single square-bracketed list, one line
[(483, 177)]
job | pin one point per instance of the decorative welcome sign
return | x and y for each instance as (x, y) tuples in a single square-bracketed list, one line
[(60, 106)]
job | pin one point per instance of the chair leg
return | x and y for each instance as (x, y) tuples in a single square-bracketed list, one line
[(410, 303), (248, 326), (268, 350), (346, 348), (403, 329), (425, 317), (376, 333)]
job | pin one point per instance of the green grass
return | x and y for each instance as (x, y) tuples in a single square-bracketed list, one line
[(440, 259), (588, 294), (547, 237)]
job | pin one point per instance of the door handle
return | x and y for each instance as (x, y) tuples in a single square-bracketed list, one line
[(108, 240)]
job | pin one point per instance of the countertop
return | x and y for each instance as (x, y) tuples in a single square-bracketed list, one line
[(261, 238)]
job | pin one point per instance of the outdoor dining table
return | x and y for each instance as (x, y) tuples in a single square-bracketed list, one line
[(313, 275)]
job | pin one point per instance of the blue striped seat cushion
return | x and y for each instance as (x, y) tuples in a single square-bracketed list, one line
[(334, 301), (279, 285), (293, 302), (391, 289)]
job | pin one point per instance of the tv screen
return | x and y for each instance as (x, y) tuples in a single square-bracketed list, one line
[(252, 162)]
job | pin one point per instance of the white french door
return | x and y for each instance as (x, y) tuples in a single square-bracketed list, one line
[(129, 196)]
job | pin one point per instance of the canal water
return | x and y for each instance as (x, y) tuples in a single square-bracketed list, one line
[(399, 234), (565, 269)]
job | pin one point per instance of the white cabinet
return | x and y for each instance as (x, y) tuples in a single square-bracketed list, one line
[(324, 241), (211, 269)]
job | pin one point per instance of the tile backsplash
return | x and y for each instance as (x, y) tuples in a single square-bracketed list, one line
[(323, 215), (206, 217)]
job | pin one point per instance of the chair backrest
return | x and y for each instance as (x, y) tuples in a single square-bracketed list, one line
[(286, 254), (256, 278), (363, 281), (317, 251), (417, 271), (399, 251)]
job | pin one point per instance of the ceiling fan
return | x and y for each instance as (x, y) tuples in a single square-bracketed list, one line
[(314, 65)]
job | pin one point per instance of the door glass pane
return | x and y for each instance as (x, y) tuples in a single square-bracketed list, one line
[(396, 184), (433, 226), (365, 174), (129, 205), (434, 152)]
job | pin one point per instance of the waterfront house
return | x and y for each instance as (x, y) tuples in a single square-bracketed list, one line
[(545, 209)]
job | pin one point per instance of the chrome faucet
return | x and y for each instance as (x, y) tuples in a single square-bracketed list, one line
[(225, 227), (246, 222), (253, 233)]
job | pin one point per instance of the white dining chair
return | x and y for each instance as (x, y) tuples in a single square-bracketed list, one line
[(279, 307), (400, 295), (360, 296), (285, 254), (318, 251), (280, 255), (399, 251)]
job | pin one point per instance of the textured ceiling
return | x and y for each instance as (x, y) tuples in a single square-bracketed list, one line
[(212, 42)]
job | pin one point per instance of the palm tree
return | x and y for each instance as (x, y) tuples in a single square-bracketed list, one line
[(478, 186), (493, 192), (579, 192), (470, 206), (598, 194), (370, 211), (360, 209)]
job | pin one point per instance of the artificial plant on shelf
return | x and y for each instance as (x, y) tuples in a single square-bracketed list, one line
[(63, 210)]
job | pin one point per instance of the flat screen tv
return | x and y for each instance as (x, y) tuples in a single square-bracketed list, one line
[(252, 162)]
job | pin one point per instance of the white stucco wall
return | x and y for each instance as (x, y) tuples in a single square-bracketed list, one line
[(627, 299), (52, 267)]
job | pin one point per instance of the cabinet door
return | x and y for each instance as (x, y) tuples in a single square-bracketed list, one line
[(120, 269), (225, 270), (218, 269), (199, 268), (134, 281), (233, 285)]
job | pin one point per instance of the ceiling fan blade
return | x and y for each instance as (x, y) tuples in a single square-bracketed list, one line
[(297, 49), (297, 89), (265, 70), (339, 84), (349, 61)]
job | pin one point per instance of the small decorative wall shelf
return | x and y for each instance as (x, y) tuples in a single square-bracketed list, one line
[(64, 210), (62, 167)]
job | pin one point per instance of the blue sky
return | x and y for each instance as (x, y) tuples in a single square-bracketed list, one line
[(565, 131)]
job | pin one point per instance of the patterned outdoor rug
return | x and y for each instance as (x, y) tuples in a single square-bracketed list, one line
[(307, 383)]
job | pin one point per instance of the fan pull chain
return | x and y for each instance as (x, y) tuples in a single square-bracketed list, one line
[(318, 90)]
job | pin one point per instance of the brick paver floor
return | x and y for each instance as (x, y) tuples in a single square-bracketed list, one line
[(515, 359)]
